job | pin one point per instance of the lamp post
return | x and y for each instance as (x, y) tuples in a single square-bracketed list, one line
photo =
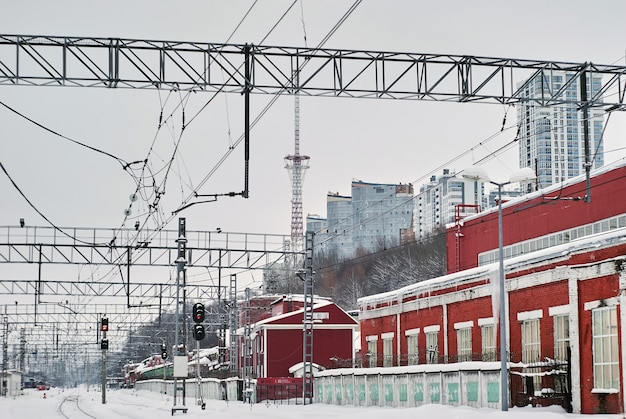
[(522, 175)]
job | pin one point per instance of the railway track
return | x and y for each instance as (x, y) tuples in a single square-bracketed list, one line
[(70, 408)]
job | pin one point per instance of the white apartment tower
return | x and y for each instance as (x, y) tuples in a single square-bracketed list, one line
[(551, 139), (437, 201)]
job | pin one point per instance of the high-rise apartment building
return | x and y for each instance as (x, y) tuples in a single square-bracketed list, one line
[(339, 224), (383, 215), (438, 200), (375, 216), (551, 139)]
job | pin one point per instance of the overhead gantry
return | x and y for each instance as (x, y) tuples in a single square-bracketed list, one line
[(211, 67)]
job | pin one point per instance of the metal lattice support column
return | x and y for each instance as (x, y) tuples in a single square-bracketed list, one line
[(5, 355), (307, 343), (247, 355), (179, 347), (232, 320)]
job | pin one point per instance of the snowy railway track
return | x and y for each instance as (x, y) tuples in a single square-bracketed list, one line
[(70, 408)]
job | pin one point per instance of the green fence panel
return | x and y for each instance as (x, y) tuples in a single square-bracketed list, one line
[(349, 392), (435, 392), (362, 392), (493, 392), (388, 392), (403, 392), (418, 392), (453, 393), (374, 392), (471, 388)]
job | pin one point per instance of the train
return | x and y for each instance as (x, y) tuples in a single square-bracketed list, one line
[(205, 361)]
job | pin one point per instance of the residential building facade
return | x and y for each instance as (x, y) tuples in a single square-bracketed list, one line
[(437, 201), (375, 216), (382, 214), (551, 139)]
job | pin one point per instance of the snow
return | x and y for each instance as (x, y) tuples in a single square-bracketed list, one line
[(75, 403)]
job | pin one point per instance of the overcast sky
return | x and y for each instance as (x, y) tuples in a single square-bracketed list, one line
[(371, 140)]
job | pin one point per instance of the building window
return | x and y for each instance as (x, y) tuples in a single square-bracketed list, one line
[(372, 353), (488, 336), (432, 348), (531, 348), (412, 350), (531, 345), (464, 344), (388, 352), (605, 348), (561, 337)]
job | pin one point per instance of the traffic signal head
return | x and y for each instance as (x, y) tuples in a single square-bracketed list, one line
[(163, 351), (198, 331), (104, 345), (198, 312), (104, 324)]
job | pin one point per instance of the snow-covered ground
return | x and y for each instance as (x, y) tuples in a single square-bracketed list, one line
[(80, 403)]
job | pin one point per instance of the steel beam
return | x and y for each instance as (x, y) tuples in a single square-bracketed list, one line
[(200, 66)]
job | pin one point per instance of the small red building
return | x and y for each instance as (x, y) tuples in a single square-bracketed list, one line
[(565, 275), (276, 342)]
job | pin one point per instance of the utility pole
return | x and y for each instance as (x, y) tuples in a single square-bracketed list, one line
[(308, 321), (5, 354), (104, 345), (247, 351), (178, 351), (233, 357)]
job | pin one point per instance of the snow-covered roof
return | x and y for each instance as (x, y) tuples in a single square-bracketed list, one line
[(291, 313), (547, 190), (421, 368), (599, 240)]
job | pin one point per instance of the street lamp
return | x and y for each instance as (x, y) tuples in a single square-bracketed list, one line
[(522, 175)]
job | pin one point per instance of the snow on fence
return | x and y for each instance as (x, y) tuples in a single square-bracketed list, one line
[(210, 388), (475, 384)]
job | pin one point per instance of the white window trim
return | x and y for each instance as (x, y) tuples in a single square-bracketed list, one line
[(486, 321), (431, 329), (464, 325), (388, 335), (371, 338), (529, 315), (558, 310), (609, 302), (412, 332)]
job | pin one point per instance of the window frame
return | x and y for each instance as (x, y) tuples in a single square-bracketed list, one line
[(600, 363)]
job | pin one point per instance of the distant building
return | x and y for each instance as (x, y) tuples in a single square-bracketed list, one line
[(339, 225), (318, 225), (507, 195), (382, 214), (551, 139), (375, 216), (436, 202)]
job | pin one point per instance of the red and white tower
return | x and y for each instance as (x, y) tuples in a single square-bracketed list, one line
[(296, 164)]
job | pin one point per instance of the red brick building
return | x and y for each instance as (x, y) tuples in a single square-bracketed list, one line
[(276, 341), (565, 273)]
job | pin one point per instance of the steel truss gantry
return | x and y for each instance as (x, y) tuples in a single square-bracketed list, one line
[(125, 247), (201, 66), (119, 260)]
